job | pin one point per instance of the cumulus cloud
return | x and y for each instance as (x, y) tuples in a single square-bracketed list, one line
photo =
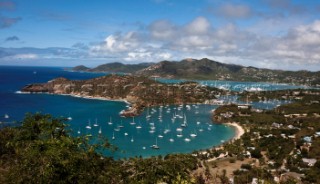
[(162, 29), (200, 25), (164, 40)]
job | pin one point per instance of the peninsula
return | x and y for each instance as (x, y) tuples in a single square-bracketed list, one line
[(139, 91)]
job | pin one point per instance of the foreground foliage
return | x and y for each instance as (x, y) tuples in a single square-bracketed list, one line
[(42, 151)]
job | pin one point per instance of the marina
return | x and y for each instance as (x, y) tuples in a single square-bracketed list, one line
[(177, 128)]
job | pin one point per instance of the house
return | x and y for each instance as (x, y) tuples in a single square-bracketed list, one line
[(307, 139), (276, 125), (291, 175), (309, 161)]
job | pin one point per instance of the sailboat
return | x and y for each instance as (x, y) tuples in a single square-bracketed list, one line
[(193, 134), (69, 118), (184, 124), (117, 129), (179, 129), (6, 116), (110, 122), (100, 132), (139, 126), (148, 116), (96, 123), (155, 146), (89, 125), (187, 139), (132, 123), (121, 126)]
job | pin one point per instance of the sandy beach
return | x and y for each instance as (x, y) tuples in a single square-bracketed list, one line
[(239, 130)]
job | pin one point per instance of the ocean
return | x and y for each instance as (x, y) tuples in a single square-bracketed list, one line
[(159, 126)]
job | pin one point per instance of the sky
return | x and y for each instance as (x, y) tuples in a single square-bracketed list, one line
[(275, 34)]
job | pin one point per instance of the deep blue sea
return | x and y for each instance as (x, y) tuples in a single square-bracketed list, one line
[(128, 137)]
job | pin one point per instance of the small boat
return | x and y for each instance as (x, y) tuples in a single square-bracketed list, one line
[(110, 122), (121, 126), (179, 129), (171, 140), (166, 131), (160, 136), (96, 123), (138, 127), (179, 135), (89, 125), (132, 123), (184, 124), (193, 134), (100, 132), (79, 131), (151, 131), (113, 137), (117, 129), (125, 133), (155, 146), (132, 139), (144, 147), (6, 116), (69, 118), (187, 139)]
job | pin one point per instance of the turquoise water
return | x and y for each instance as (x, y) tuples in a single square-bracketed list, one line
[(130, 140)]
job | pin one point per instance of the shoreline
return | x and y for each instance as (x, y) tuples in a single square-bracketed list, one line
[(239, 130), (78, 96)]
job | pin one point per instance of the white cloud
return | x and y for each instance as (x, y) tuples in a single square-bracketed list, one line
[(297, 47), (164, 40), (162, 29), (119, 43), (200, 25)]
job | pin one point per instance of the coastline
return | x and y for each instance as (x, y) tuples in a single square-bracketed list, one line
[(239, 130), (77, 96)]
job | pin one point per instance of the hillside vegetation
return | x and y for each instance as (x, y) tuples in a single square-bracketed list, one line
[(206, 69)]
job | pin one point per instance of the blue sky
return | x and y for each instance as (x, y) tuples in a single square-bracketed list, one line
[(283, 34)]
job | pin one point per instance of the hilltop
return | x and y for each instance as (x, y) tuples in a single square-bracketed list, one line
[(115, 67), (206, 69)]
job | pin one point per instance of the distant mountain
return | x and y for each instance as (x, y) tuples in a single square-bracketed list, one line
[(114, 67), (206, 69), (80, 68)]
